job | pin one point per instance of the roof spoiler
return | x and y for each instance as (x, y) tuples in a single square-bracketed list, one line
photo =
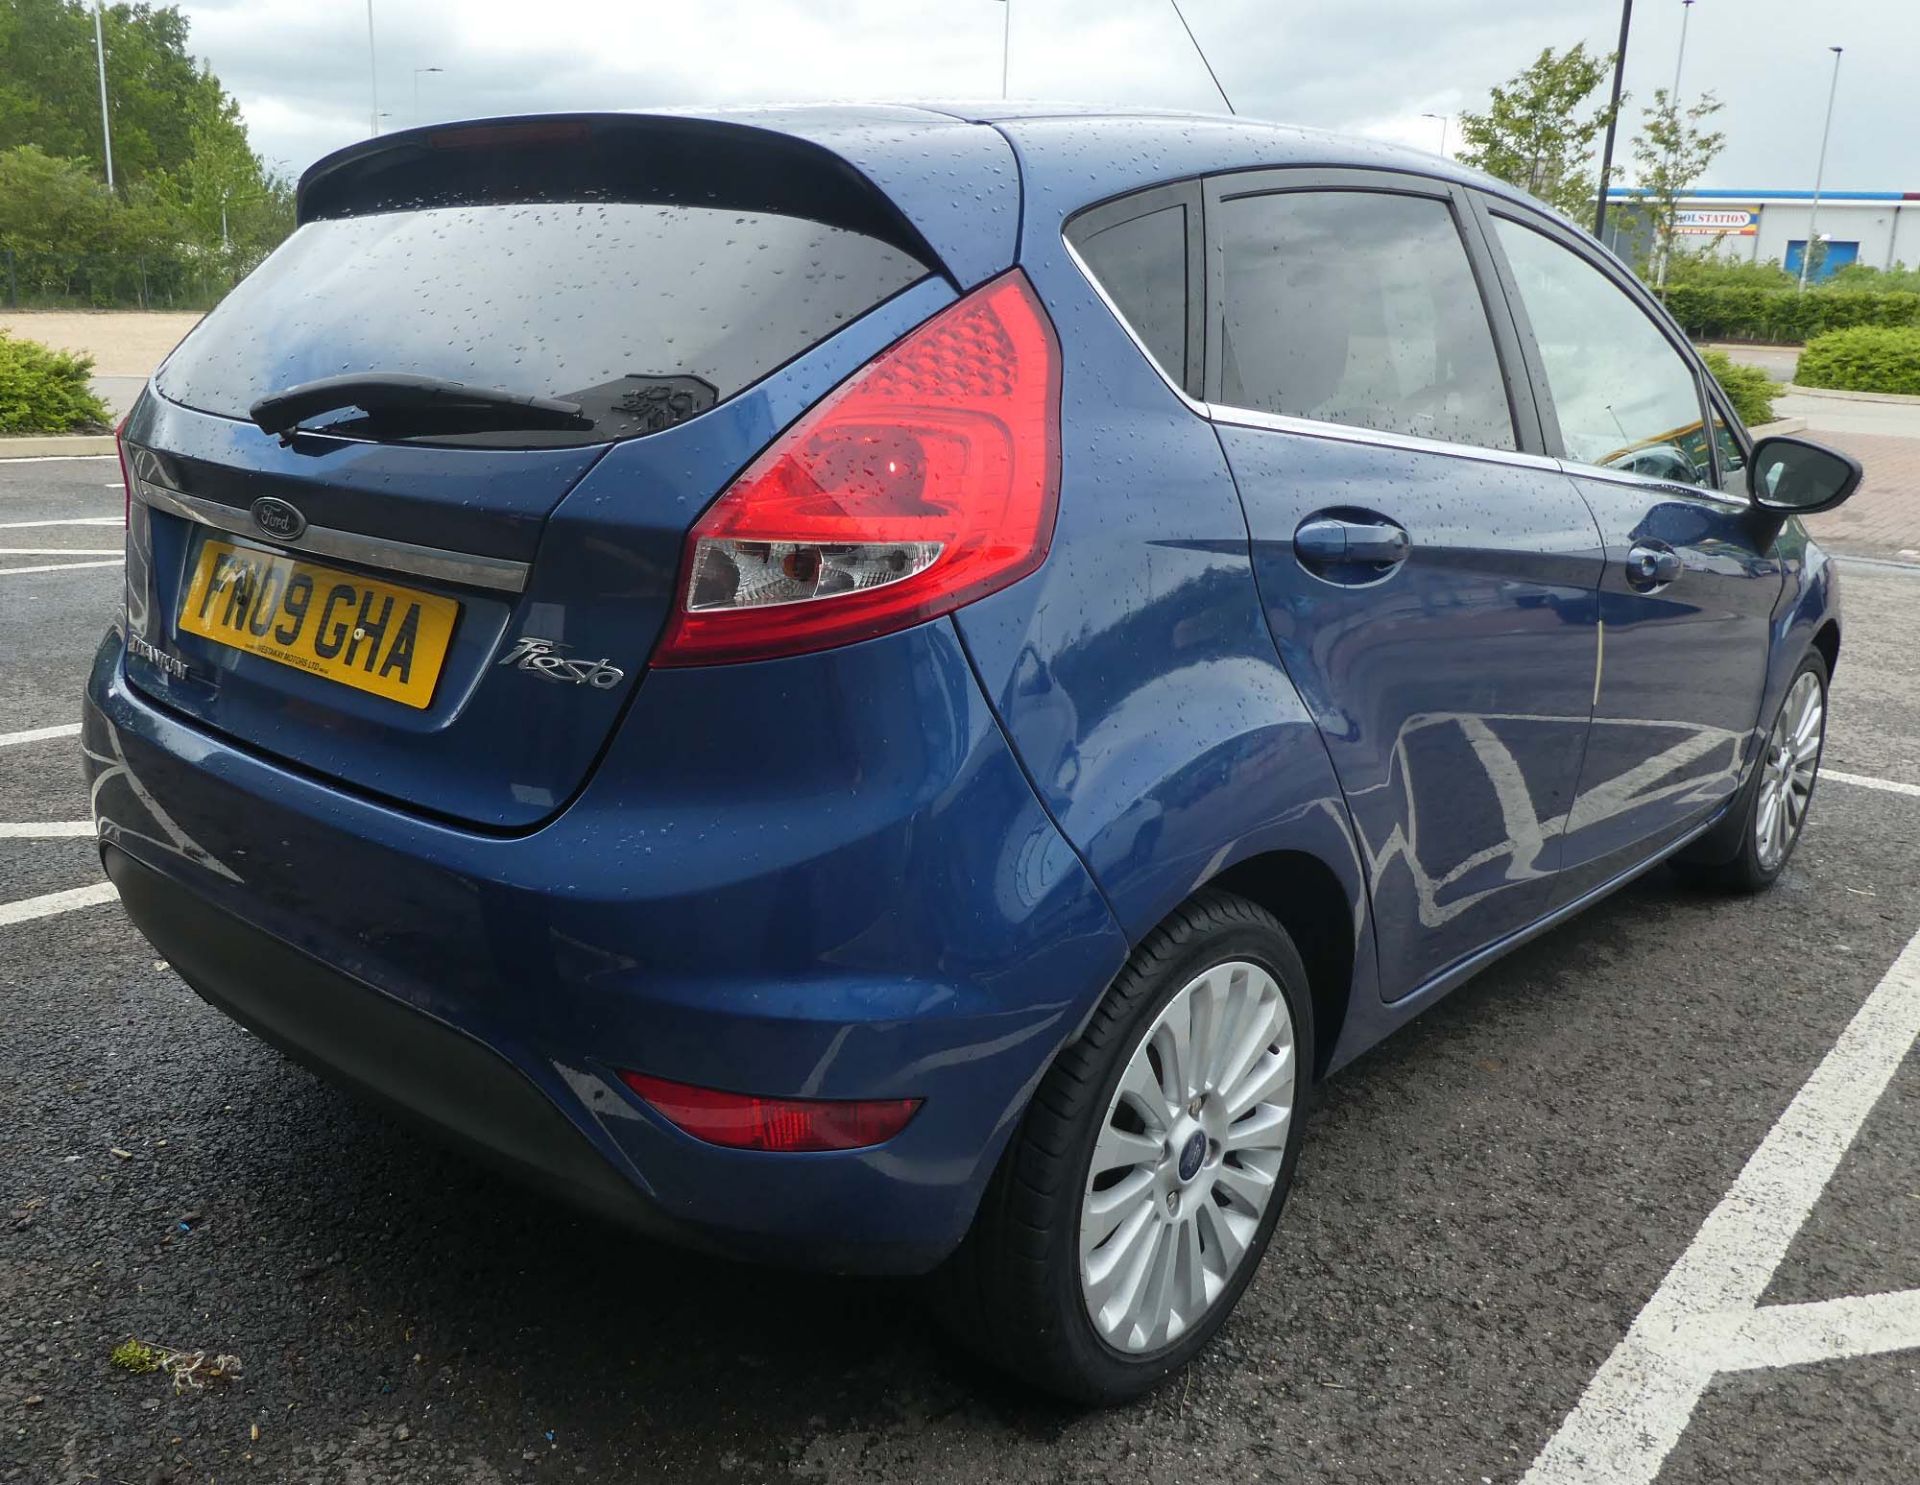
[(661, 158)]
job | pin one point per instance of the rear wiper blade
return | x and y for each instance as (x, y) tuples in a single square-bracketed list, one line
[(383, 394)]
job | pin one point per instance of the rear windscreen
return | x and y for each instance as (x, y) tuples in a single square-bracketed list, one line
[(643, 314)]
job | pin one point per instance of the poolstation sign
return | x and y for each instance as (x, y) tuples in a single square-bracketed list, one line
[(1736, 221)]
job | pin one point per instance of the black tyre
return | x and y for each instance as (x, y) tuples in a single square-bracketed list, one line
[(1747, 851), (1134, 1202)]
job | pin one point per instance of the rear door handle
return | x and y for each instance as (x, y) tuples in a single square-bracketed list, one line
[(1650, 566), (1336, 540)]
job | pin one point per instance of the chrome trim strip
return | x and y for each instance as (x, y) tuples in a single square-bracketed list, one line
[(463, 568), (1643, 482), (1247, 417)]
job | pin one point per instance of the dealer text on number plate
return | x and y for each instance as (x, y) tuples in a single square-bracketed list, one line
[(371, 635)]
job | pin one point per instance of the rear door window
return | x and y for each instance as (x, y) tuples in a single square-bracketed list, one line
[(642, 313), (1357, 307)]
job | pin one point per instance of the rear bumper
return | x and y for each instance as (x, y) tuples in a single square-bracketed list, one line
[(876, 908), (352, 1034)]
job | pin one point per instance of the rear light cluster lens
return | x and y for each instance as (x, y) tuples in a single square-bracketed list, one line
[(927, 480), (750, 574), (742, 1121), (126, 473)]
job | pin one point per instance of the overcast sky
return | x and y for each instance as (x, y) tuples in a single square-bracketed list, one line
[(299, 67)]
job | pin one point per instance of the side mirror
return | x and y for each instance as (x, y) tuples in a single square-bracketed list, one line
[(1797, 477)]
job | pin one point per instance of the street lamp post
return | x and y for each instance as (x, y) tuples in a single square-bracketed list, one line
[(1673, 101), (1445, 119), (1006, 41), (1613, 119), (373, 77), (1819, 173), (416, 88), (106, 128), (1680, 59)]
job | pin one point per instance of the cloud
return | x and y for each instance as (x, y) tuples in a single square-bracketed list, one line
[(299, 67)]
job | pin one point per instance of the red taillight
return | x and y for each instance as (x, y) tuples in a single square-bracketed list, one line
[(126, 474), (745, 1122), (925, 481)]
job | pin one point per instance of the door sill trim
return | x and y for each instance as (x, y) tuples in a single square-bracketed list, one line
[(1463, 970)]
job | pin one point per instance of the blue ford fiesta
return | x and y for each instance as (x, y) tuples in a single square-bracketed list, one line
[(889, 689)]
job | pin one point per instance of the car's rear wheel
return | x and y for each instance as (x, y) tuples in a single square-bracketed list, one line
[(1136, 1198), (1748, 853)]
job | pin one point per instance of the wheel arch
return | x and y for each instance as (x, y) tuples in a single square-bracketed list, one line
[(1306, 895), (1827, 641)]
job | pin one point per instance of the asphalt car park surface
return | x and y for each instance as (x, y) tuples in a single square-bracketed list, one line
[(1485, 1204)]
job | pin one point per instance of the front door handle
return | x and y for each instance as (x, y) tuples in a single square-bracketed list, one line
[(1337, 540), (1650, 566)]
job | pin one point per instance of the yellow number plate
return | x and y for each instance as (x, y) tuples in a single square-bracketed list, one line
[(370, 635)]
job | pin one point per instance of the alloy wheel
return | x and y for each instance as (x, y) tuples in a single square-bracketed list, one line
[(1786, 781), (1188, 1157)]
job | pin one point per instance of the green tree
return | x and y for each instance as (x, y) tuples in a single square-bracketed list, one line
[(53, 216), (156, 91), (1865, 278), (1538, 132), (1672, 151), (228, 204), (194, 209)]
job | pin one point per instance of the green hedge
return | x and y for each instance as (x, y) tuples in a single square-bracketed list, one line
[(46, 391), (1749, 389), (1867, 359), (1714, 312)]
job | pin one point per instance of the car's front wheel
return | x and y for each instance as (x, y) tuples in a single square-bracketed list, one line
[(1751, 849), (1139, 1192)]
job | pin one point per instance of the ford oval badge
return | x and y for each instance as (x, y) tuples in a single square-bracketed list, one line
[(278, 519)]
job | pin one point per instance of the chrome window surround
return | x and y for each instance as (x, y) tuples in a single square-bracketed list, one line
[(463, 568), (1249, 417), (1643, 482)]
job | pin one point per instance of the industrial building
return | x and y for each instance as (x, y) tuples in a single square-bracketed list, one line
[(1878, 228)]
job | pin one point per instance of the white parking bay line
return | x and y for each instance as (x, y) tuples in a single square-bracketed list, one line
[(1706, 1316), (1864, 781), (58, 567), (39, 734), (63, 521), (29, 908), (1828, 1329), (44, 829), (61, 552)]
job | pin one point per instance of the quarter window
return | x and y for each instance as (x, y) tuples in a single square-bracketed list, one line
[(1626, 398), (1142, 264), (1357, 307)]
